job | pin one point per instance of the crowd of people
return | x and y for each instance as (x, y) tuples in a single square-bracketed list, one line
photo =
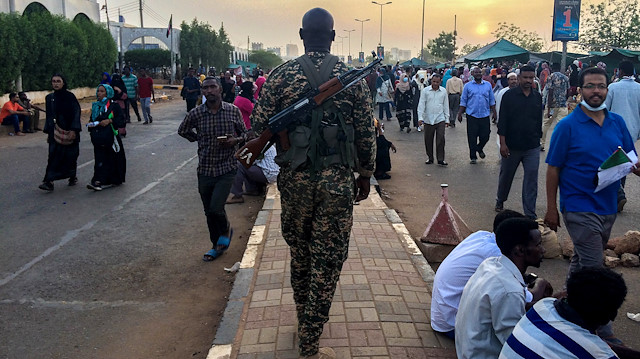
[(483, 297)]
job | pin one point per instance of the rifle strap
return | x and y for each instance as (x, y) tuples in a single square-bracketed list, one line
[(315, 76)]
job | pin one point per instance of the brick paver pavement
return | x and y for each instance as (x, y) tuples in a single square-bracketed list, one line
[(380, 308)]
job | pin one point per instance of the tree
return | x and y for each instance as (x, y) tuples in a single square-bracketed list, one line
[(201, 45), (529, 40), (612, 23), (443, 46), (265, 59), (149, 59), (469, 48)]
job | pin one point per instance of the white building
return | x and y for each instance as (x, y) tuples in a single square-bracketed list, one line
[(67, 8)]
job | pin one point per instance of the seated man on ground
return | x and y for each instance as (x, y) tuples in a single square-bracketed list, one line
[(34, 111), (493, 301), (262, 172), (454, 272), (11, 115), (565, 328)]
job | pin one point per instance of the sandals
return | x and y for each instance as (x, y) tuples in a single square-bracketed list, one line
[(221, 247)]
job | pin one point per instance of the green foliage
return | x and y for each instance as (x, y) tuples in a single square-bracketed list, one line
[(265, 59), (13, 53), (528, 40), (443, 46), (38, 45), (469, 48), (149, 59), (201, 44), (612, 23)]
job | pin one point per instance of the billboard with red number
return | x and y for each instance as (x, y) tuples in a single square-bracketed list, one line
[(566, 20)]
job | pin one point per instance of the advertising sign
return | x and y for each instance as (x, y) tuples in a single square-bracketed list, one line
[(566, 20), (361, 57), (349, 59), (380, 52)]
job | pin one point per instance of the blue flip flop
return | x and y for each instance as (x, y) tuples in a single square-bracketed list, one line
[(211, 255), (224, 241)]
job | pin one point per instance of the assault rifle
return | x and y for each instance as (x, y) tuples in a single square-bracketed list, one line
[(278, 124)]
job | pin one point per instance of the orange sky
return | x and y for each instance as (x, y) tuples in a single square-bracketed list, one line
[(276, 22)]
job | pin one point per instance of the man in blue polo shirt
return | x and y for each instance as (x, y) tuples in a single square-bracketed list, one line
[(478, 103), (580, 143)]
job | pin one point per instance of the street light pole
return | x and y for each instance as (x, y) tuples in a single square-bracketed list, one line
[(349, 31), (342, 44), (422, 38), (362, 31), (381, 5)]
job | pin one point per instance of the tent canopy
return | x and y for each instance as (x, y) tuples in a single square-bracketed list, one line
[(414, 62), (554, 56), (613, 58), (498, 50), (245, 64)]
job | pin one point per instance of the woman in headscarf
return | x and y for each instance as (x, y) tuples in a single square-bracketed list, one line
[(544, 75), (466, 74), (404, 101), (63, 128), (106, 79), (110, 164), (384, 89), (119, 97), (244, 102)]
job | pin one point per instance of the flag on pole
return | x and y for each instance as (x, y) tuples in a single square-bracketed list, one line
[(170, 26), (618, 165)]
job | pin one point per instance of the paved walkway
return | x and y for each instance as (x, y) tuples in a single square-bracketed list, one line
[(381, 305)]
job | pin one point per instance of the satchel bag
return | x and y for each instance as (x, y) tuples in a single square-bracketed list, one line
[(63, 137)]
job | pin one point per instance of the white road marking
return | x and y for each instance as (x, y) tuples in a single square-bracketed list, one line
[(72, 234)]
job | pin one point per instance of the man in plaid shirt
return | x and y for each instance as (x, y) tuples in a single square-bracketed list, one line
[(219, 129)]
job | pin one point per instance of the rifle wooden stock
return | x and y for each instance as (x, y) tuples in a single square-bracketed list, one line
[(249, 153), (327, 90)]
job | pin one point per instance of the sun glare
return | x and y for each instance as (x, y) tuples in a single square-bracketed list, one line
[(482, 29)]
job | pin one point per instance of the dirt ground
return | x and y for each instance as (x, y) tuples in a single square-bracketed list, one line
[(414, 192)]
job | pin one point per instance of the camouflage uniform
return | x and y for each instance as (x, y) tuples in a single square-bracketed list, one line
[(317, 206)]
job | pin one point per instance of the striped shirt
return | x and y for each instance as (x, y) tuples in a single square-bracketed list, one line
[(131, 83), (203, 126), (543, 333)]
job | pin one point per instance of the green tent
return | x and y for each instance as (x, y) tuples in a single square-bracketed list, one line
[(414, 62), (498, 50), (613, 58), (555, 56), (247, 65)]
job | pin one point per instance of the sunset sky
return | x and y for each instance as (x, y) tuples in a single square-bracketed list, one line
[(276, 22)]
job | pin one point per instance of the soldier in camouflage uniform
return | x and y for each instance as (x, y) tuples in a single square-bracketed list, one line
[(317, 193)]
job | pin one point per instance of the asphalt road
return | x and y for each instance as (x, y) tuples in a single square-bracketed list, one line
[(117, 273), (414, 191)]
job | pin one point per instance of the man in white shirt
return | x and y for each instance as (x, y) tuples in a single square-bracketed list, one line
[(262, 172), (493, 301), (454, 273), (623, 98), (433, 112)]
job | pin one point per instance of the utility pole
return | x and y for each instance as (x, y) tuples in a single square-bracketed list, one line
[(342, 44), (455, 35), (422, 38), (141, 22)]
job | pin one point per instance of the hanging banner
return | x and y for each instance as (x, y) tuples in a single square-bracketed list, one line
[(566, 20), (361, 57), (349, 59)]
